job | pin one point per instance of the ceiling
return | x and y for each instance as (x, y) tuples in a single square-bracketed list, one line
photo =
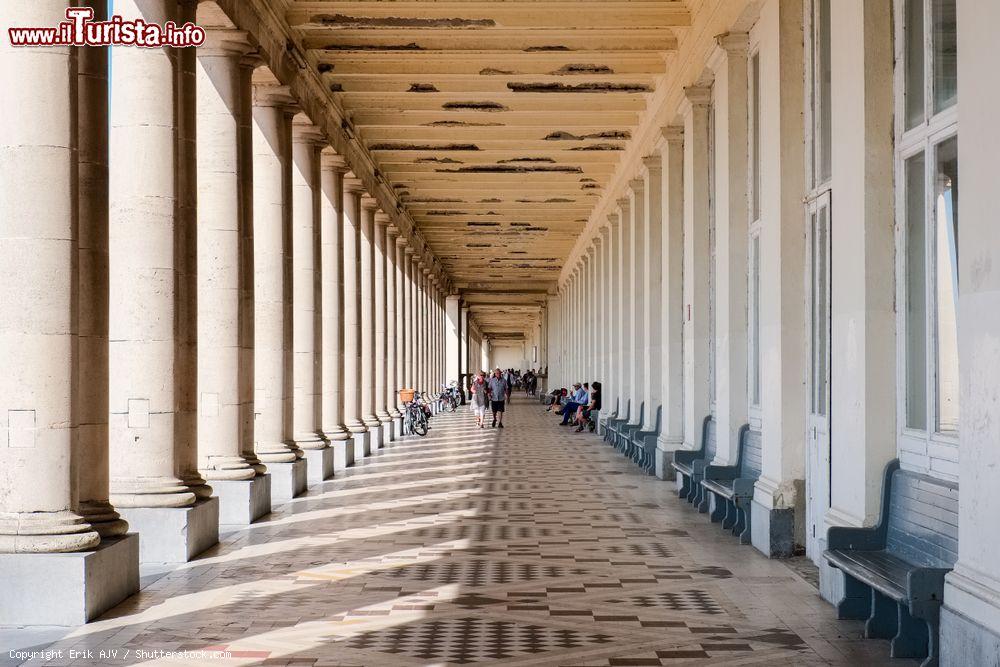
[(498, 124)]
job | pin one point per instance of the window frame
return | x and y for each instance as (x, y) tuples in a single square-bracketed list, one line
[(754, 389), (924, 137)]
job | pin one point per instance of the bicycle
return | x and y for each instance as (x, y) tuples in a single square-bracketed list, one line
[(450, 398), (414, 418)]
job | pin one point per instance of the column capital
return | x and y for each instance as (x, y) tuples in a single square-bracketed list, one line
[(409, 251), (401, 241), (698, 96), (352, 183), (274, 95), (392, 231), (637, 185), (652, 162), (225, 43), (673, 134), (734, 43), (333, 161), (622, 203), (613, 220), (304, 131), (382, 218), (368, 202)]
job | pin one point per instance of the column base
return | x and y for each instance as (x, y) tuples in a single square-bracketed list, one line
[(319, 464), (387, 433), (375, 438), (664, 457), (287, 480), (343, 454), (970, 619), (397, 428), (174, 534), (775, 518), (362, 446), (68, 588), (242, 502)]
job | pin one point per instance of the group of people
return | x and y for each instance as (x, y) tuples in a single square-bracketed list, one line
[(575, 406), (492, 392)]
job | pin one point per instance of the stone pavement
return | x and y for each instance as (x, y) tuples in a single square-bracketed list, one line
[(527, 546)]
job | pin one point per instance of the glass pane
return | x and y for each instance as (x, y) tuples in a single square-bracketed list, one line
[(755, 320), (755, 129), (814, 314), (823, 166), (823, 311), (913, 40), (916, 296), (944, 38), (946, 283)]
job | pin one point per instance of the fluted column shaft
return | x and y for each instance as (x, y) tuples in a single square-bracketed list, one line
[(222, 222), (307, 141), (367, 250), (392, 379), (272, 146), (39, 329), (408, 345), (381, 338), (332, 168), (150, 426), (352, 306)]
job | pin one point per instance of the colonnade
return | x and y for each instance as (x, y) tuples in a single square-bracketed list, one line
[(203, 305)]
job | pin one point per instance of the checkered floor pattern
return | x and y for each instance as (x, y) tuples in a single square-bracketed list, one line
[(530, 546)]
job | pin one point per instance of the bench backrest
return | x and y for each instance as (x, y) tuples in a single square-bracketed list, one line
[(642, 414), (659, 413), (922, 519), (750, 453), (708, 435)]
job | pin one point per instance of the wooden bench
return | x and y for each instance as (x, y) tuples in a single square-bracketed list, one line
[(732, 486), (643, 447), (614, 421), (690, 464), (603, 425), (625, 431), (894, 572)]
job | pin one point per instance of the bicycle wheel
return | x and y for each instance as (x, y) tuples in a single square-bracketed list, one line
[(420, 425), (452, 404)]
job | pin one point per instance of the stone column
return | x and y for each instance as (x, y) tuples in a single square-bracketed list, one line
[(381, 225), (970, 618), (638, 298), (332, 168), (652, 268), (224, 223), (778, 508), (407, 266), (307, 142), (368, 383), (402, 329), (393, 380), (452, 337), (731, 264), (671, 435), (153, 458), (613, 394), (696, 261), (91, 389), (419, 327), (272, 155), (40, 292), (601, 310), (626, 388), (353, 189)]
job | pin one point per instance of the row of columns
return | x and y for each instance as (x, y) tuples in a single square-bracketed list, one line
[(655, 306), (198, 293)]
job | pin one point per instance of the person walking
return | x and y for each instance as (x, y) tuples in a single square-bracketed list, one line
[(480, 398), (498, 389)]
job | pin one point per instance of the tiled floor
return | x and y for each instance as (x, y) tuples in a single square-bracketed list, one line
[(527, 546)]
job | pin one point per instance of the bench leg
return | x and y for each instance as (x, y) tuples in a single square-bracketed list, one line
[(933, 633), (701, 497), (685, 489), (745, 532), (719, 513), (730, 517), (911, 638), (884, 620), (857, 601)]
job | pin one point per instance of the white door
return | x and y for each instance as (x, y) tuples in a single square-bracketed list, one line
[(818, 421)]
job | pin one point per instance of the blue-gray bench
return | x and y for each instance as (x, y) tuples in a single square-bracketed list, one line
[(690, 464), (612, 423), (602, 424), (643, 446), (624, 434), (894, 572), (732, 486)]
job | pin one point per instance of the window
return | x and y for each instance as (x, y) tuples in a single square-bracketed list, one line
[(753, 261), (820, 93), (927, 211)]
